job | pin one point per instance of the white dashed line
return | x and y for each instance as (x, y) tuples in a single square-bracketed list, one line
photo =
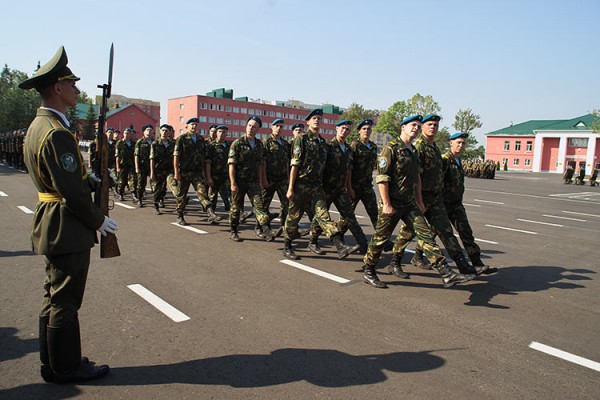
[(158, 303), (539, 222), (584, 214), (471, 205), (567, 218), (565, 356), (487, 201), (124, 205), (25, 210), (315, 271), (511, 229), (189, 228), (479, 240), (2, 194)]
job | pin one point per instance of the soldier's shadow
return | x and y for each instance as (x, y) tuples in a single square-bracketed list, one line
[(13, 347), (321, 367)]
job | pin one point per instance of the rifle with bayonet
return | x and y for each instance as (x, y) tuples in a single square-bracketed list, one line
[(108, 244)]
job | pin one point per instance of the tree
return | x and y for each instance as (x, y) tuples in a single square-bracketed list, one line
[(466, 121), (17, 107), (89, 128), (441, 139), (357, 113), (390, 120), (596, 124)]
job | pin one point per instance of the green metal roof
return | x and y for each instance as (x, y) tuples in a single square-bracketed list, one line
[(82, 110), (529, 127), (584, 122)]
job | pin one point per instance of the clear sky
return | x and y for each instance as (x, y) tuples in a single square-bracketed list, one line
[(506, 60)]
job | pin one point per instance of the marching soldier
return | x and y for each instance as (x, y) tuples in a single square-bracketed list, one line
[(212, 133), (219, 150), (594, 175), (142, 161), (125, 164), (161, 167), (297, 130)]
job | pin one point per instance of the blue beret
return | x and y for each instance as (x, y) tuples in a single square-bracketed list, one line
[(109, 129), (277, 121), (213, 126), (364, 122), (411, 119), (225, 127), (316, 111), (254, 118), (117, 131), (146, 127), (301, 126), (458, 135), (191, 120), (431, 117), (164, 126), (344, 122)]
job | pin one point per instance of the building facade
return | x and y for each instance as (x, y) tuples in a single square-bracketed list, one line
[(546, 145)]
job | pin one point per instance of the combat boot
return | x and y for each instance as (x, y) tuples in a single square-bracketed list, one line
[(395, 267), (476, 261), (233, 235), (279, 232), (370, 277), (156, 209), (121, 197), (212, 217), (465, 268), (313, 245), (267, 233), (135, 198), (361, 240), (258, 230), (161, 203), (288, 250), (140, 204), (449, 277), (245, 215), (45, 369), (419, 261), (180, 220), (343, 250)]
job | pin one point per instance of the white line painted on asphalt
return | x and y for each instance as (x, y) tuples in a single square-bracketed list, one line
[(511, 229), (565, 356), (158, 303), (471, 205), (488, 201), (584, 214), (190, 228), (25, 210), (532, 196), (315, 271), (567, 218), (124, 205), (2, 194), (539, 222), (479, 240)]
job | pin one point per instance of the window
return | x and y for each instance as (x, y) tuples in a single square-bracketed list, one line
[(527, 162), (211, 106), (278, 114), (228, 108), (219, 120), (236, 109), (219, 107), (211, 120), (203, 106), (271, 113), (578, 142), (506, 145), (180, 119), (505, 161), (251, 111), (181, 106), (516, 161), (518, 145), (202, 131), (202, 118), (244, 110), (227, 121), (528, 147), (236, 121)]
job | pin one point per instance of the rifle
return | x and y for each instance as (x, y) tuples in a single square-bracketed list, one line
[(108, 244)]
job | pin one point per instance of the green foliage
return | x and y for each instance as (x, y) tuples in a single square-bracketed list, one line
[(466, 121), (497, 165), (596, 124), (357, 113), (441, 139), (505, 166), (17, 107), (477, 153), (389, 122), (89, 128)]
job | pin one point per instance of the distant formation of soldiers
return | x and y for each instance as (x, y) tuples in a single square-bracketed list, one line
[(11, 148), (480, 169), (569, 176)]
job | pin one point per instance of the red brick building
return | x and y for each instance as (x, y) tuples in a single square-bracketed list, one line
[(220, 108), (130, 116)]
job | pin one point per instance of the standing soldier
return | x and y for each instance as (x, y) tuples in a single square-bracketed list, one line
[(113, 138), (219, 151), (247, 176), (124, 160), (432, 187), (305, 190), (2, 143), (400, 189), (297, 130), (212, 133), (161, 167), (594, 175), (64, 223), (191, 166), (277, 161), (142, 161)]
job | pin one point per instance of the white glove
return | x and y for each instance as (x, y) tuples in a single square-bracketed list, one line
[(108, 226)]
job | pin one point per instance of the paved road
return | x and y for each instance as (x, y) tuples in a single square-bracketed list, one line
[(254, 327)]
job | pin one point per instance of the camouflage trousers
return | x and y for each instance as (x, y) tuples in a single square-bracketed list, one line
[(367, 196), (142, 181), (309, 199), (159, 185), (127, 176), (415, 223), (237, 203), (458, 217), (180, 189), (342, 202), (437, 217), (220, 186), (281, 188)]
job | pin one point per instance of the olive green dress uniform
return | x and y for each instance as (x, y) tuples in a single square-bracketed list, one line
[(161, 153), (219, 153), (142, 152), (277, 159), (124, 151)]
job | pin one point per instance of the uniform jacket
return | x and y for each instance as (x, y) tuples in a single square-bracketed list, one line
[(246, 159), (277, 157), (162, 156), (309, 153), (337, 165), (432, 179), (399, 166), (364, 162), (191, 156), (454, 179), (218, 154), (125, 153)]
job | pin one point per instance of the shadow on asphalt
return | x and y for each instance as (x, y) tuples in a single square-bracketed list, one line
[(16, 253), (13, 347)]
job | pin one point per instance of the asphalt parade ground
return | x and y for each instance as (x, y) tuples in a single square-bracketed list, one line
[(185, 313)]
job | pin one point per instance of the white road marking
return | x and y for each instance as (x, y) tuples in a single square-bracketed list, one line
[(539, 222), (124, 205), (575, 195), (479, 240), (511, 229), (315, 271), (471, 205), (158, 303), (25, 210), (565, 356), (584, 214), (488, 201), (532, 196), (2, 194), (190, 228), (570, 219)]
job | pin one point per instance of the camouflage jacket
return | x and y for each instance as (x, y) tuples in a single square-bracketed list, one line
[(364, 162), (142, 151), (247, 160), (309, 153), (124, 153), (454, 179), (161, 152), (432, 180), (337, 165), (218, 154), (277, 158), (192, 155), (399, 166)]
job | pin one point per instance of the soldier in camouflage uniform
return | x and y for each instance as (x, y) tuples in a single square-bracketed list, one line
[(212, 134), (113, 138), (454, 188), (2, 144), (219, 152), (142, 161), (191, 167), (400, 188), (432, 186), (305, 189), (277, 161), (335, 185), (161, 166), (297, 130), (594, 175), (246, 172), (124, 160), (19, 149)]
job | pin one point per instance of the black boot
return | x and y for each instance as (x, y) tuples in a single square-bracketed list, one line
[(212, 217), (64, 350), (465, 268), (343, 250), (180, 220), (45, 369), (288, 250), (476, 261), (121, 197), (258, 230), (245, 215), (313, 245), (161, 203), (362, 241), (370, 277), (395, 267), (449, 277), (157, 209), (419, 261), (267, 233), (233, 235)]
